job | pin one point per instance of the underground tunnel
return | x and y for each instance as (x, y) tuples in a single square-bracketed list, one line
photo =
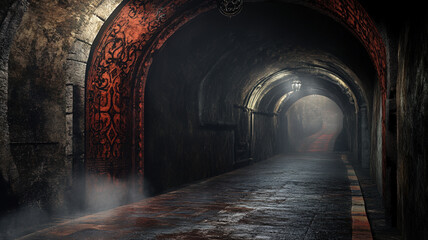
[(215, 89), (225, 119)]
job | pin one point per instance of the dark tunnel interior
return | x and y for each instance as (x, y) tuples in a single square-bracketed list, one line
[(219, 88), (201, 119)]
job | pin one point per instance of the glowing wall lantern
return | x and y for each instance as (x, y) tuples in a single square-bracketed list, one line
[(296, 85)]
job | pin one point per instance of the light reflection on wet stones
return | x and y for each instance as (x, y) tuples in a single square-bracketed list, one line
[(290, 197)]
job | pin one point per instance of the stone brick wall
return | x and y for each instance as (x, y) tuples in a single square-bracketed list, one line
[(412, 126), (45, 108), (10, 17)]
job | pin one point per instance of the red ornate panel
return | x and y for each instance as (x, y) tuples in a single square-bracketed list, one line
[(121, 59), (114, 106)]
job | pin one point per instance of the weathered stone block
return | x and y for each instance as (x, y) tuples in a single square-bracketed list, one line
[(90, 31), (69, 135), (106, 8), (69, 99), (75, 73), (79, 51)]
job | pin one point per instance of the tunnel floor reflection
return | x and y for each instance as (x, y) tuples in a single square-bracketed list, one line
[(286, 197)]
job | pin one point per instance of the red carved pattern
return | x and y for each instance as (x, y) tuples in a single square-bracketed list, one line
[(109, 93)]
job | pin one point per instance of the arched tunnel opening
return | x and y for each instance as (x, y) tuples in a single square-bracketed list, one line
[(218, 93)]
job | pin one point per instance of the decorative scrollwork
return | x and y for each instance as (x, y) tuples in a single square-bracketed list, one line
[(114, 109), (230, 8)]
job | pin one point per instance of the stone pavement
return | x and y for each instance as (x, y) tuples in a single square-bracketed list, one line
[(287, 197)]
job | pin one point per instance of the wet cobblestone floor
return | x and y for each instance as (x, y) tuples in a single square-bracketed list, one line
[(304, 196)]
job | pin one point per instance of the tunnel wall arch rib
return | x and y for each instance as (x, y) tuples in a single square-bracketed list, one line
[(121, 57)]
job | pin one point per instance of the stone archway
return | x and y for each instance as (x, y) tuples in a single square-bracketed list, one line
[(121, 57)]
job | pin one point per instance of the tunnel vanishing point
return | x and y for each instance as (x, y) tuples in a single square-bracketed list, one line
[(228, 119)]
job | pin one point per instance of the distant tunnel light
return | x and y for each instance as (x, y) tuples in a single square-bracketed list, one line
[(296, 85)]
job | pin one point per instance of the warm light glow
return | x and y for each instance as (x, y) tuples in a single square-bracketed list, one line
[(296, 85)]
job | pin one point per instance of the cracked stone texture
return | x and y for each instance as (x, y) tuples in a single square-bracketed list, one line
[(293, 197), (75, 73), (412, 127), (105, 8), (10, 16), (79, 51), (90, 30), (37, 94)]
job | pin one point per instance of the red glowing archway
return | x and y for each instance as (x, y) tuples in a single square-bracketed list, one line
[(120, 60)]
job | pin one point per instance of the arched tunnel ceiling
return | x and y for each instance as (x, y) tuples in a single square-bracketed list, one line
[(344, 106), (269, 93), (226, 58)]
